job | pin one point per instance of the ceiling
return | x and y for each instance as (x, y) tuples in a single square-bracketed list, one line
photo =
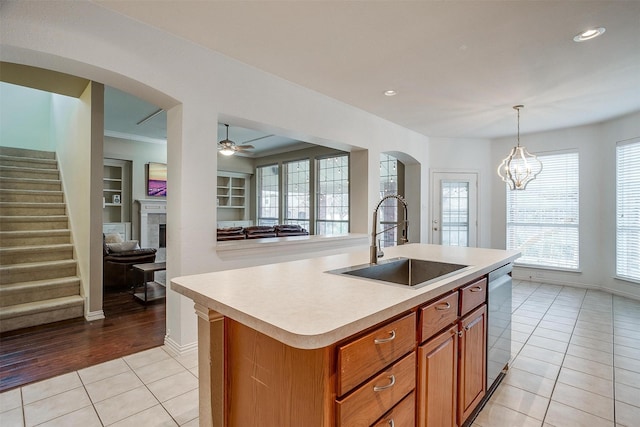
[(125, 114), (458, 66)]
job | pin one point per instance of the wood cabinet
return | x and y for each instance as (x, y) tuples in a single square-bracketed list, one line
[(379, 377), (472, 378), (452, 363), (375, 397), (361, 358), (438, 380), (375, 372)]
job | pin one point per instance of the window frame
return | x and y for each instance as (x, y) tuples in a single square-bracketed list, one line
[(285, 194), (260, 220), (555, 224), (317, 219), (634, 203)]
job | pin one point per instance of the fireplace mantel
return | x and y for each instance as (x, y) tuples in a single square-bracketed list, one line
[(149, 207)]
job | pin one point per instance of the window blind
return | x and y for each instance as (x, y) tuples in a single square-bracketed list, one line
[(268, 194), (628, 210), (543, 220)]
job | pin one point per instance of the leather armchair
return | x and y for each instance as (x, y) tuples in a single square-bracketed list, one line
[(117, 270)]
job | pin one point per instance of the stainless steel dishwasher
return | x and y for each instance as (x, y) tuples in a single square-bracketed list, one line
[(498, 325)]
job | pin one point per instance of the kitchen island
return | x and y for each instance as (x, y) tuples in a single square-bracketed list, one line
[(279, 344)]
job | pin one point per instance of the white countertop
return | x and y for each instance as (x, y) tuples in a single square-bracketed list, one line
[(303, 306)]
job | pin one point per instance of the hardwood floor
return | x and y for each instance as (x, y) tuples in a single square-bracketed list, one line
[(37, 353)]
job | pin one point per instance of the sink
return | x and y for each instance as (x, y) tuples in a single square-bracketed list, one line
[(403, 271)]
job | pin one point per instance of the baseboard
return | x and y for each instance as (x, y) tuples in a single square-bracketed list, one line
[(563, 282), (94, 315), (177, 349)]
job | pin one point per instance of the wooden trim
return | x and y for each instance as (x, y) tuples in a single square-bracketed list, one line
[(211, 367)]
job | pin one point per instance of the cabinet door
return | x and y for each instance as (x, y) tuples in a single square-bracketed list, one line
[(472, 382), (437, 380)]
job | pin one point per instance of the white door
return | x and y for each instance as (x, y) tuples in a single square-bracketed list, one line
[(454, 212)]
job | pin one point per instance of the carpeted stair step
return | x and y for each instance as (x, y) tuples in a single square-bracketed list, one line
[(27, 162), (26, 292), (31, 271), (31, 209), (25, 152), (34, 237), (30, 184), (25, 223), (29, 173), (27, 254), (41, 312), (31, 196)]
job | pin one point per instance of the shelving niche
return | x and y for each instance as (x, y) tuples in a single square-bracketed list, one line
[(233, 196)]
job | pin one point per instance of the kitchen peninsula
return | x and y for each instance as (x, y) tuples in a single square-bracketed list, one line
[(291, 344)]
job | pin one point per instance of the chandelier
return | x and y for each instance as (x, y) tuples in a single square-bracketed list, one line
[(520, 167)]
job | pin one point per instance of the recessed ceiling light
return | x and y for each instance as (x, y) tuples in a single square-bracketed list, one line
[(589, 34), (390, 92)]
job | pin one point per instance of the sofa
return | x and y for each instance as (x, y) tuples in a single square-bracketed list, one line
[(118, 260), (260, 232)]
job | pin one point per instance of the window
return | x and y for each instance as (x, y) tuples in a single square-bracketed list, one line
[(542, 221), (628, 210), (388, 213), (455, 213), (332, 195), (297, 193), (268, 194)]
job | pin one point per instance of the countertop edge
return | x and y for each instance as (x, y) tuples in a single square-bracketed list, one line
[(330, 337)]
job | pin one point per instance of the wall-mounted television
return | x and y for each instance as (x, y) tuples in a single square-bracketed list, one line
[(157, 180)]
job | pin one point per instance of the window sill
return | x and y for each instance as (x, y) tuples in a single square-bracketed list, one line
[(627, 279), (294, 245)]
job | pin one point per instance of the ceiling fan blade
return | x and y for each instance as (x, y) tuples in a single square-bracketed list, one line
[(245, 147)]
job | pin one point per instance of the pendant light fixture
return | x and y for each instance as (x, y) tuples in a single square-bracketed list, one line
[(520, 167)]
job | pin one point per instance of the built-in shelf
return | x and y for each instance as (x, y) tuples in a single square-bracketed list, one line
[(233, 196), (116, 191)]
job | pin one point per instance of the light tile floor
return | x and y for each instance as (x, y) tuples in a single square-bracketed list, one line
[(576, 362), (150, 388)]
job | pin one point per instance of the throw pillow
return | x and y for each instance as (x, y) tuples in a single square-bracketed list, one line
[(113, 238), (129, 245)]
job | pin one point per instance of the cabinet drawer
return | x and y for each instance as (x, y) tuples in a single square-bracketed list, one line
[(402, 415), (375, 397), (472, 296), (363, 357), (437, 315)]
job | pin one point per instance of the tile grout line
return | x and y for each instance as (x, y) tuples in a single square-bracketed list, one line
[(564, 356)]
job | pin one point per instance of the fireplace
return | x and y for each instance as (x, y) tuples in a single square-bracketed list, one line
[(153, 231), (162, 235)]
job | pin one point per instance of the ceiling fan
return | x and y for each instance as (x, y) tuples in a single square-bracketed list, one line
[(229, 148)]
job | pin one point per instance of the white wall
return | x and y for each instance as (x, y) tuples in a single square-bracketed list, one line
[(198, 88), (139, 153), (25, 118), (596, 148), (468, 155), (71, 135)]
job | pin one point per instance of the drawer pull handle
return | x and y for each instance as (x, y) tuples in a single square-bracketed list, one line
[(445, 306), (392, 381), (391, 423), (476, 289), (392, 336)]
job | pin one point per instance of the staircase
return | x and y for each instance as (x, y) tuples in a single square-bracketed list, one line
[(38, 273)]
